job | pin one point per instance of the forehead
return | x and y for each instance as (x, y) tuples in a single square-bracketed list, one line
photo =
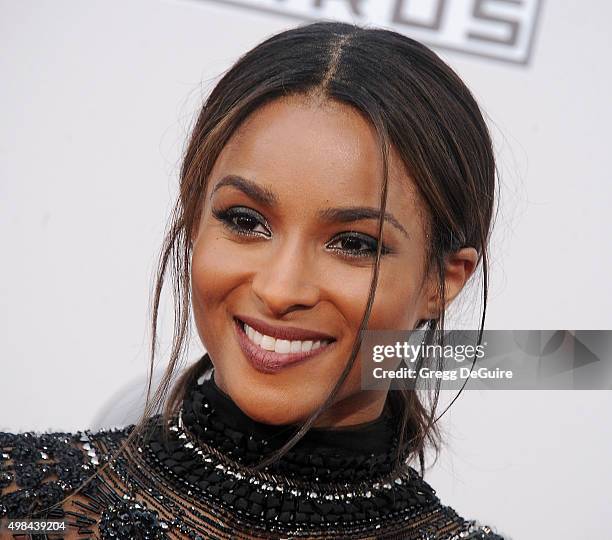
[(322, 151)]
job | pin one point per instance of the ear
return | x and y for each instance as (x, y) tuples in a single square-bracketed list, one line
[(458, 268)]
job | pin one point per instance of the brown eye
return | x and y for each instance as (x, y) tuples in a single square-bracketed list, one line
[(244, 221), (354, 244)]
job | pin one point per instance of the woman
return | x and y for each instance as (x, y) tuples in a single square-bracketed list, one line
[(337, 179)]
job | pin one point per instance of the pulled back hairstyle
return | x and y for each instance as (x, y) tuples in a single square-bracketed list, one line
[(417, 105)]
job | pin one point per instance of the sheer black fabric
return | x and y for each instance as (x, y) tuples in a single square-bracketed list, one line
[(198, 482)]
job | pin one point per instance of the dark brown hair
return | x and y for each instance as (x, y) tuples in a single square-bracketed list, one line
[(417, 105)]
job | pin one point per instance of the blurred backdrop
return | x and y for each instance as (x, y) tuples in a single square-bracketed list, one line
[(96, 102)]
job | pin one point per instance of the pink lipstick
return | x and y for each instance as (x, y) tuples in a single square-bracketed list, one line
[(310, 344)]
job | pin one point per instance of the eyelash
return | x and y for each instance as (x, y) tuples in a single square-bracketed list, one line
[(228, 215)]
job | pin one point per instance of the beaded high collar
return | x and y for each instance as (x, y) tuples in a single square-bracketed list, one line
[(210, 418), (334, 483)]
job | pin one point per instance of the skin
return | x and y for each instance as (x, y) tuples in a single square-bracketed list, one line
[(297, 270)]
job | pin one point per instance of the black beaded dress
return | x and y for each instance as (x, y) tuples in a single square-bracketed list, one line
[(335, 483)]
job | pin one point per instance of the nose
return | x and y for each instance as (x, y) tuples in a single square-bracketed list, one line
[(287, 281)]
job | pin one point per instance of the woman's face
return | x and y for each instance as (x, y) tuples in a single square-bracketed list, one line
[(287, 242)]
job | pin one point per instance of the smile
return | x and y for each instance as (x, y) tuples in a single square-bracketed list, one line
[(282, 346), (269, 349)]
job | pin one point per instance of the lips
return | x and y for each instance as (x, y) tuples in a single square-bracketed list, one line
[(284, 332), (269, 348)]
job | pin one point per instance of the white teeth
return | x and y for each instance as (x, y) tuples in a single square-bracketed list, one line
[(282, 346), (267, 343)]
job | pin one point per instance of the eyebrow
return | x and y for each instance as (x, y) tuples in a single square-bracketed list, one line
[(358, 213), (262, 195), (266, 197)]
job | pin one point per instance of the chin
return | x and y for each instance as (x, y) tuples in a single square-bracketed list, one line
[(280, 399), (274, 408), (274, 416)]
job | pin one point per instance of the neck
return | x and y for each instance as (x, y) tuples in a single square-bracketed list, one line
[(353, 411), (212, 419)]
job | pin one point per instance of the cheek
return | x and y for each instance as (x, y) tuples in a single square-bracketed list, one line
[(397, 298), (217, 265), (211, 275), (397, 294), (215, 273), (395, 306)]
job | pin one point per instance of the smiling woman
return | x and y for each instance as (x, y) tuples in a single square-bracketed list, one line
[(289, 239), (337, 179)]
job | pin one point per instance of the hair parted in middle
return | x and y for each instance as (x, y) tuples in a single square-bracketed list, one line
[(418, 106)]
